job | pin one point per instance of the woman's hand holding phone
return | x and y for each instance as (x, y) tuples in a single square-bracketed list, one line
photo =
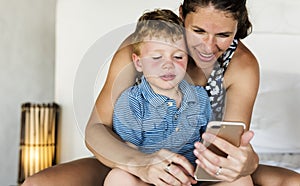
[(237, 155)]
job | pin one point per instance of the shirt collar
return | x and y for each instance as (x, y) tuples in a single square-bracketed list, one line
[(157, 99), (150, 95)]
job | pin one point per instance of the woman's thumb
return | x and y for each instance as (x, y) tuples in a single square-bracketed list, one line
[(246, 138)]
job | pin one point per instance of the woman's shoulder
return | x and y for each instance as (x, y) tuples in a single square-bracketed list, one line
[(243, 60), (243, 65), (243, 56)]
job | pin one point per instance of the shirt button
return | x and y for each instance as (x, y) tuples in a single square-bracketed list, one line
[(177, 129), (170, 104), (176, 117)]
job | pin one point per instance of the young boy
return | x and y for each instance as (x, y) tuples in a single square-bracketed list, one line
[(163, 111)]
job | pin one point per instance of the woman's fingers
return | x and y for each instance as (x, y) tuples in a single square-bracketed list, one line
[(172, 169), (181, 169), (156, 174), (221, 144), (211, 163), (216, 165), (218, 172), (241, 159), (179, 173), (169, 179), (184, 163), (233, 165)]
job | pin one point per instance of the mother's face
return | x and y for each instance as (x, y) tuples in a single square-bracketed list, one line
[(209, 34)]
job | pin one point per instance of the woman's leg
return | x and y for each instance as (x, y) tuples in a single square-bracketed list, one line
[(82, 172), (275, 176)]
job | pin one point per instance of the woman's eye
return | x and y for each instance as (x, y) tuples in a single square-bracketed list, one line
[(199, 31), (223, 35)]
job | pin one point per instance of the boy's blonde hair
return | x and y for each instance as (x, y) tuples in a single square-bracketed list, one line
[(161, 24)]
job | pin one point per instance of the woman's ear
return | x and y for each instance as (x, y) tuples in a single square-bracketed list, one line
[(137, 62), (180, 12)]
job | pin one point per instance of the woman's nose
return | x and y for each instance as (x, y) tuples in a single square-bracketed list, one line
[(209, 44)]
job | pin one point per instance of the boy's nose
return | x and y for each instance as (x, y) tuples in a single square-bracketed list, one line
[(168, 64)]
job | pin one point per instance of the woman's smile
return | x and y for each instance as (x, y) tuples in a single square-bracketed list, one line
[(204, 57)]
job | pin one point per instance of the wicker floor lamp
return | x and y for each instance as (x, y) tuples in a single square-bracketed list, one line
[(38, 138)]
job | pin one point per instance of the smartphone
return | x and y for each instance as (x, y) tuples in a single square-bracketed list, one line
[(229, 131)]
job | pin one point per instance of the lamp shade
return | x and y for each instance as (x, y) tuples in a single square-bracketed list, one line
[(38, 138)]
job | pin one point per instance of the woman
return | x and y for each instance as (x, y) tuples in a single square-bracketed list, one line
[(214, 28)]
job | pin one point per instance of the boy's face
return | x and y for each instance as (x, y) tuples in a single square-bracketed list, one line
[(163, 63)]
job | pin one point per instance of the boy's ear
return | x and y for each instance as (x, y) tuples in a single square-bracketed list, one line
[(137, 62)]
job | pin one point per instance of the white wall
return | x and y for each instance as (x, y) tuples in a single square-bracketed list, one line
[(275, 42), (27, 38), (81, 23), (276, 34)]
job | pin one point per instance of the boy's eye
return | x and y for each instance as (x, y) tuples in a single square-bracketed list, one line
[(178, 57), (156, 57)]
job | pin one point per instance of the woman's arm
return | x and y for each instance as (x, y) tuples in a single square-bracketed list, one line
[(241, 81), (98, 130)]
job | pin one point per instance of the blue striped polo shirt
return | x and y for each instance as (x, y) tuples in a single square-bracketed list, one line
[(152, 121)]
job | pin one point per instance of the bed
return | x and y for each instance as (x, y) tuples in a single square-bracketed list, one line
[(276, 119)]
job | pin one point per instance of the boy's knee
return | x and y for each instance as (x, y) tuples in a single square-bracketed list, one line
[(116, 175)]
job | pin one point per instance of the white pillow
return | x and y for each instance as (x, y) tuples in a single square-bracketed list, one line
[(276, 115)]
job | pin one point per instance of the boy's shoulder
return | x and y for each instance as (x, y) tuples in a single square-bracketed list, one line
[(197, 88), (131, 94), (131, 99)]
